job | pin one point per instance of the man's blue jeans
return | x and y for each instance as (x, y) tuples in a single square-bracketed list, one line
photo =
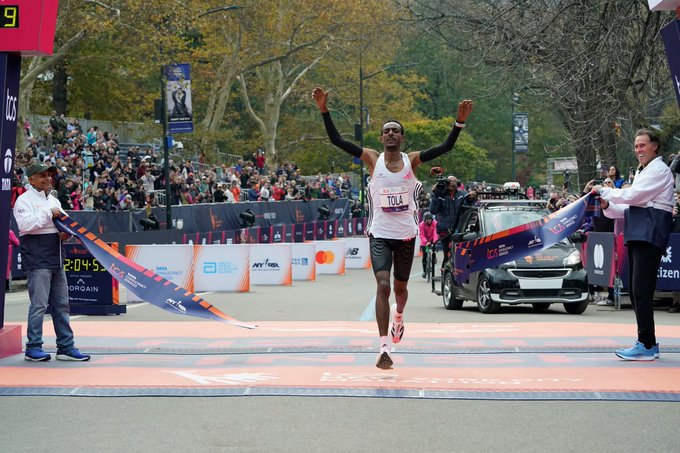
[(48, 287)]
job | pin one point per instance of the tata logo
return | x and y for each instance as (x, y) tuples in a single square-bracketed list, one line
[(176, 304), (491, 253), (265, 264), (353, 251), (598, 256), (668, 257)]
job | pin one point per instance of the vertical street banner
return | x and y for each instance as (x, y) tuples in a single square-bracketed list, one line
[(10, 68), (178, 98), (520, 122), (671, 40), (146, 284)]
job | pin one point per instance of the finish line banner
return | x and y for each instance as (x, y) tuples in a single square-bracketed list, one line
[(520, 241), (144, 283)]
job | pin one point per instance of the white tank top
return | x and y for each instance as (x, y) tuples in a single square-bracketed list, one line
[(393, 201)]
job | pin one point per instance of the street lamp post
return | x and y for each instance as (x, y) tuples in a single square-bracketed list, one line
[(515, 100)]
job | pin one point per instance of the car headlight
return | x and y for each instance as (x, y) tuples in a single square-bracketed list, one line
[(508, 265), (573, 259)]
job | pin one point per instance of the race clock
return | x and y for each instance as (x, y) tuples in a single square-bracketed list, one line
[(27, 26)]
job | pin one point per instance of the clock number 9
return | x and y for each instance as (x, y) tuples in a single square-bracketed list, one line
[(10, 16)]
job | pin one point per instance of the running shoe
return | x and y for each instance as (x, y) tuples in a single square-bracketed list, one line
[(384, 361), (397, 328), (36, 355), (639, 352), (73, 355)]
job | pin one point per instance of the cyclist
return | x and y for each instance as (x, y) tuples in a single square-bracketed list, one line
[(428, 236)]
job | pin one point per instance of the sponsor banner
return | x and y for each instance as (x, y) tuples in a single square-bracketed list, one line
[(600, 263), (222, 268), (279, 234), (148, 285), (309, 231), (265, 235), (270, 264), (10, 69), (304, 261), (330, 257), (671, 40), (668, 274), (179, 112), (357, 253), (342, 229), (518, 242), (172, 262), (520, 132)]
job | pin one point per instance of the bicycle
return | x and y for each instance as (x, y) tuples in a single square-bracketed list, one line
[(430, 263)]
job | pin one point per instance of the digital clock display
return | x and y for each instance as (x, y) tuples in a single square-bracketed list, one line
[(83, 265), (9, 16)]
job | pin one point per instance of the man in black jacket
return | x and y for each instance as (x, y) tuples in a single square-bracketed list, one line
[(446, 209)]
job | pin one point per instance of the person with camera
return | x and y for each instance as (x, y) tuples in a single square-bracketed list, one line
[(393, 222), (447, 198), (647, 206)]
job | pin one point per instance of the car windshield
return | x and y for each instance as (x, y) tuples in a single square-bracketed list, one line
[(496, 220)]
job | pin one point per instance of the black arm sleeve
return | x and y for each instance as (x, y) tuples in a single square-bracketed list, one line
[(436, 151), (337, 140)]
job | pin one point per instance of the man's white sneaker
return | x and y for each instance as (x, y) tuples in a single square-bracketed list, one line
[(384, 361), (397, 325)]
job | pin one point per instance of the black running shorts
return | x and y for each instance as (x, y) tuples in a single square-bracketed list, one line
[(384, 251)]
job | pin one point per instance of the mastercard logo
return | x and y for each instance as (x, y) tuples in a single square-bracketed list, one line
[(325, 257)]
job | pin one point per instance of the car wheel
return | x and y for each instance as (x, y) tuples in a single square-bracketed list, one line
[(576, 309), (484, 302), (450, 300), (541, 306)]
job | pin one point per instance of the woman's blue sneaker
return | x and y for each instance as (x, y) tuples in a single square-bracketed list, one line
[(73, 355), (36, 355), (639, 352)]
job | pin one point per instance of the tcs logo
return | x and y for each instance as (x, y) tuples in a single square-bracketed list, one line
[(325, 257)]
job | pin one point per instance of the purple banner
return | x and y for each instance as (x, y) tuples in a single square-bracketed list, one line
[(519, 241), (144, 283)]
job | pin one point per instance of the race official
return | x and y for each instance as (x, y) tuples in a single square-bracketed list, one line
[(647, 206), (43, 261)]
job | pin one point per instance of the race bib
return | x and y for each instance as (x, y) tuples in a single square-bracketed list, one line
[(394, 199)]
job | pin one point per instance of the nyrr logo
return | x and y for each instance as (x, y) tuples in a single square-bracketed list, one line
[(325, 257), (668, 257), (266, 264), (598, 256), (177, 305)]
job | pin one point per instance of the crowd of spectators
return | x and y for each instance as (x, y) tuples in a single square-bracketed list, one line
[(95, 173)]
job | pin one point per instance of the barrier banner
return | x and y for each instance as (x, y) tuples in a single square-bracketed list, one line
[(222, 268), (265, 235), (320, 230), (330, 257), (270, 264), (600, 263), (172, 262), (342, 228), (303, 261), (357, 254), (153, 288), (309, 231), (278, 233), (298, 233), (519, 241)]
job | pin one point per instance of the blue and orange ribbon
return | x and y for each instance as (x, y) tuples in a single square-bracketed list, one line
[(520, 241), (146, 284)]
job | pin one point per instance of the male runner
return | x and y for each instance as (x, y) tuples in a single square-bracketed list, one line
[(393, 219)]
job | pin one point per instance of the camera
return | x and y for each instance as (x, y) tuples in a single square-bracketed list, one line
[(441, 185)]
